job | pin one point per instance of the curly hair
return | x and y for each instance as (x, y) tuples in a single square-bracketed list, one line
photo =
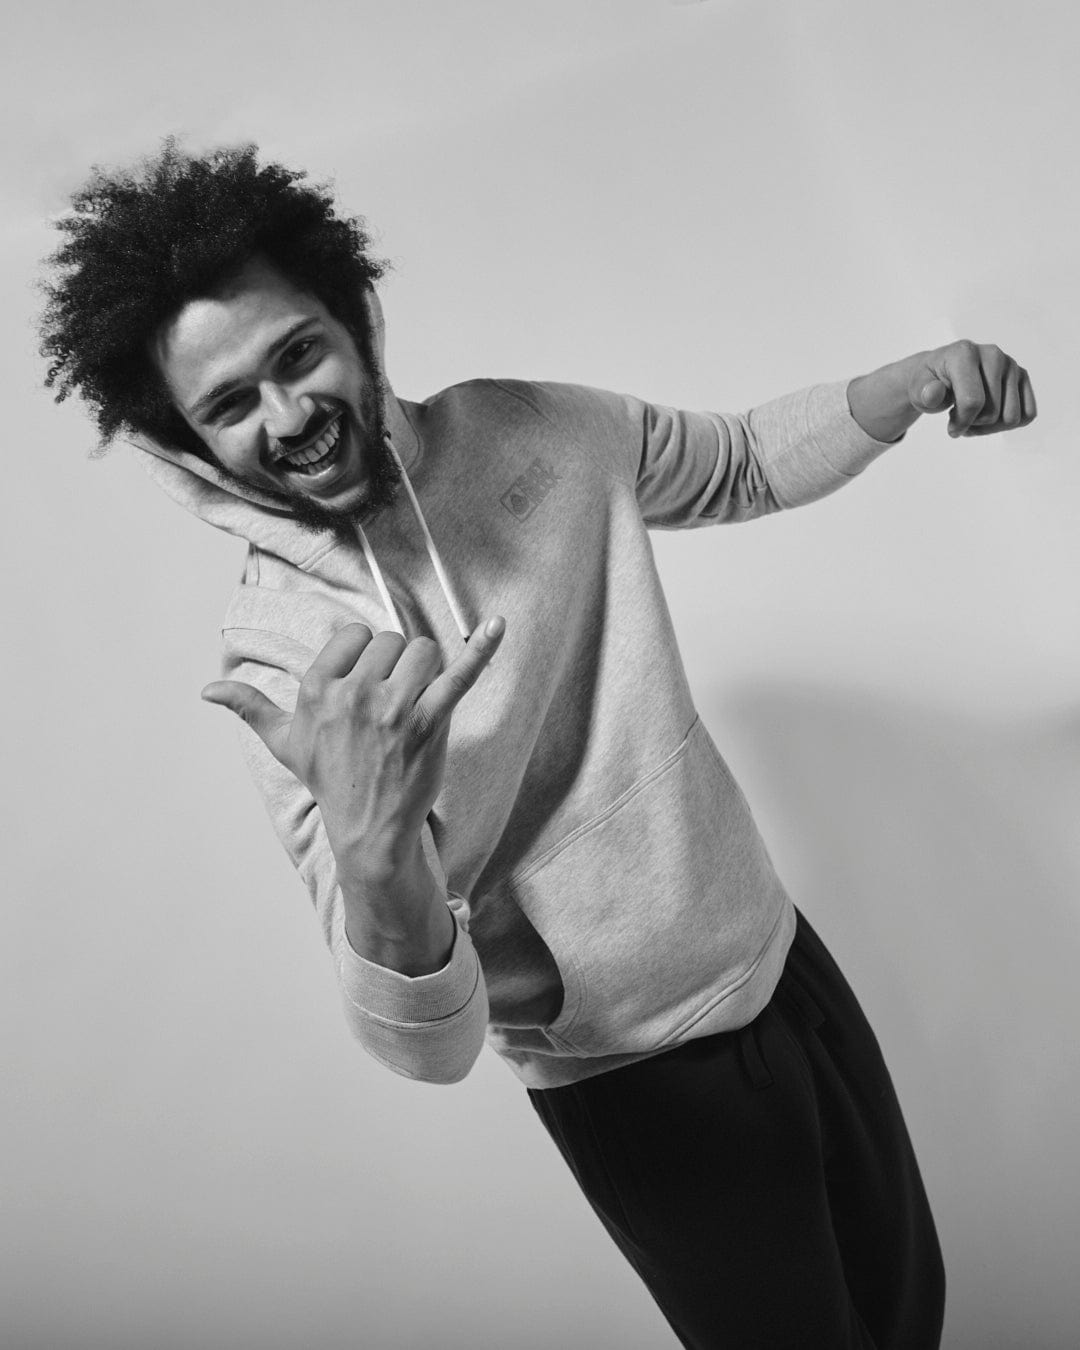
[(142, 243)]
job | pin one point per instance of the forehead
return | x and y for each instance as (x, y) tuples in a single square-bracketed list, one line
[(221, 337)]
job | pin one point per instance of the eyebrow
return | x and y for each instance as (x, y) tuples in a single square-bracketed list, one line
[(202, 405)]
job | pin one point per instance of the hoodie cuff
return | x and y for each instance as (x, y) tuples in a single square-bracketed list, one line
[(410, 1000), (828, 446), (845, 449)]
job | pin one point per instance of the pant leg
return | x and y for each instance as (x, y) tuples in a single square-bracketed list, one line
[(880, 1212), (761, 1182)]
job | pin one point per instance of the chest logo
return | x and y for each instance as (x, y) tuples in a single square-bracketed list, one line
[(527, 492)]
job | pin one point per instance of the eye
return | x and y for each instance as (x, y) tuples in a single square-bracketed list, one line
[(299, 350), (227, 405)]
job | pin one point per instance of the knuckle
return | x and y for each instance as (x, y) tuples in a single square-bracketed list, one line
[(459, 681), (421, 722), (389, 714), (345, 698), (388, 641), (426, 645), (354, 632), (385, 719)]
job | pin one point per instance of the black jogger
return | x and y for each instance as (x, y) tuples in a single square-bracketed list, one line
[(762, 1182)]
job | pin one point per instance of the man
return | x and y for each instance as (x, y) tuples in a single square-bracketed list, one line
[(544, 850)]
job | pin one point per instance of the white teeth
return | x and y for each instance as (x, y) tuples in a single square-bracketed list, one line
[(321, 447)]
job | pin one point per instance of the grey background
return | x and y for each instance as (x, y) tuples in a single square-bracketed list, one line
[(703, 204)]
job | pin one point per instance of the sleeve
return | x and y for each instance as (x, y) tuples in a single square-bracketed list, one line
[(690, 469), (427, 1027)]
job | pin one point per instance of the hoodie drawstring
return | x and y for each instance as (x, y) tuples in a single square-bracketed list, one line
[(376, 572), (433, 555)]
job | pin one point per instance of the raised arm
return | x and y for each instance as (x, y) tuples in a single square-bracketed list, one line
[(690, 469)]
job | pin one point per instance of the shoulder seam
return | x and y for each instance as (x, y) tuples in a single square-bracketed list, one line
[(528, 402), (608, 470)]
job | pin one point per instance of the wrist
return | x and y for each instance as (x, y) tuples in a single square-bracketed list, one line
[(880, 401), (374, 871), (398, 917)]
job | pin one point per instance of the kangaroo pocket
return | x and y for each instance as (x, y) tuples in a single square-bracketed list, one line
[(663, 913)]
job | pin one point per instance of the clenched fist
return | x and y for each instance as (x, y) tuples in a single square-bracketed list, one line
[(987, 390), (984, 386)]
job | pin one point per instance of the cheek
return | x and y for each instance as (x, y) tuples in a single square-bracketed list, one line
[(339, 377), (236, 450)]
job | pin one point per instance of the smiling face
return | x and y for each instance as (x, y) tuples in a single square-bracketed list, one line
[(276, 389)]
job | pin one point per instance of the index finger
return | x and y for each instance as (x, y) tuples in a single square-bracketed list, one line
[(445, 692)]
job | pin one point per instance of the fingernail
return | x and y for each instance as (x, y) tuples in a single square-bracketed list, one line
[(494, 627)]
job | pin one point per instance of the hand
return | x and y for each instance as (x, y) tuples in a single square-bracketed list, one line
[(368, 735), (986, 389)]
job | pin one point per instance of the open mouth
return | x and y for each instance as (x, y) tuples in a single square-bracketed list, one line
[(318, 457)]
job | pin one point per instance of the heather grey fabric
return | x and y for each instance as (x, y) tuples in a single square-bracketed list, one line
[(612, 892)]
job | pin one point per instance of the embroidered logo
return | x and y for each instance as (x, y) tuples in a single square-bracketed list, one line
[(527, 492)]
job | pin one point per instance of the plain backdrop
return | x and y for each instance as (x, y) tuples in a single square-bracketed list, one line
[(704, 204)]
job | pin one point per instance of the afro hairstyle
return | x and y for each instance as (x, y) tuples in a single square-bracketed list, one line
[(143, 243)]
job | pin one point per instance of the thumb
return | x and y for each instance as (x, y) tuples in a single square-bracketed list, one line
[(933, 395), (265, 718)]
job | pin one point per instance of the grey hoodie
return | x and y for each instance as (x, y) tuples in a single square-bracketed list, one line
[(613, 895)]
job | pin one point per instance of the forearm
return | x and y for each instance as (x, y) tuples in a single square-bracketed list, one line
[(397, 918), (419, 1008), (881, 401)]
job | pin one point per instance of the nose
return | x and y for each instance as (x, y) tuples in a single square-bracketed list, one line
[(285, 414)]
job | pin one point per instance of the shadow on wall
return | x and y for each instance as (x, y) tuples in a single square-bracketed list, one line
[(938, 855)]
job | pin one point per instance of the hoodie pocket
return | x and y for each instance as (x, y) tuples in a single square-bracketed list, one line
[(661, 912)]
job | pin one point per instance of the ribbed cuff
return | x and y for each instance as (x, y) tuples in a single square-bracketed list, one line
[(819, 443), (411, 999)]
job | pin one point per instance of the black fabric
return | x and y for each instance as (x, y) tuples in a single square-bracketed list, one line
[(762, 1182)]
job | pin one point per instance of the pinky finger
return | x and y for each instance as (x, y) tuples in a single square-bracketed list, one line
[(1027, 399)]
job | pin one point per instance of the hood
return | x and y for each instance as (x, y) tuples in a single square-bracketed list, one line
[(264, 520)]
